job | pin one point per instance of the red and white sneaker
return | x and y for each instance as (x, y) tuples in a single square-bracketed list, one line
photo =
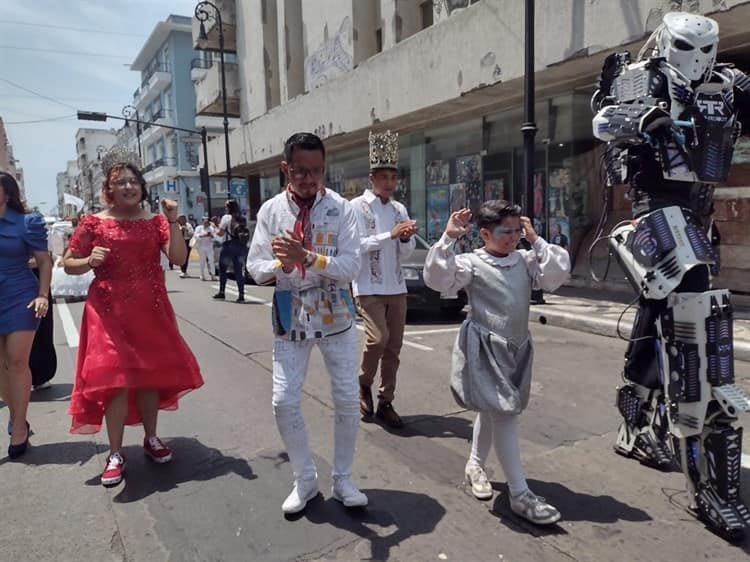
[(114, 470), (157, 450)]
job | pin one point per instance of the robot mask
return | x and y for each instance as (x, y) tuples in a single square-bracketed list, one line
[(689, 42)]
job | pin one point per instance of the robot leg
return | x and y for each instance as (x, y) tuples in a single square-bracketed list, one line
[(702, 404), (643, 433)]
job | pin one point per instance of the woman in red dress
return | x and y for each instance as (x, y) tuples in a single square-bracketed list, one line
[(132, 360)]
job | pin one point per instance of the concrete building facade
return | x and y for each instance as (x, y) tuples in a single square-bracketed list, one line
[(8, 162), (91, 144), (448, 76), (167, 98), (67, 182)]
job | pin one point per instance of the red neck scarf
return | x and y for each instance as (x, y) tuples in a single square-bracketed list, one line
[(302, 227)]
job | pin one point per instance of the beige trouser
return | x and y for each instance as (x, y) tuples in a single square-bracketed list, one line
[(385, 316)]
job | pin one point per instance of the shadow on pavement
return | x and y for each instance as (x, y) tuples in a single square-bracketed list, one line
[(55, 393), (74, 452), (192, 462), (574, 506), (436, 317), (396, 515), (430, 426)]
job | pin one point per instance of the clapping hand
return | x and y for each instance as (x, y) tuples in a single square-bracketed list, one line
[(169, 206), (289, 250), (404, 230), (459, 224)]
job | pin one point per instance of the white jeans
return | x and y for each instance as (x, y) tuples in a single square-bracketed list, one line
[(503, 431), (206, 255), (290, 360)]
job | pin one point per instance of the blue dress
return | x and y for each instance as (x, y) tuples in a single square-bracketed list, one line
[(20, 236)]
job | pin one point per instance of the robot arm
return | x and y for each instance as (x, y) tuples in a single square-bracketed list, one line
[(741, 81), (632, 121)]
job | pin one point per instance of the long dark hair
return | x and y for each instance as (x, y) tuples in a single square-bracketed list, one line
[(233, 208), (13, 193)]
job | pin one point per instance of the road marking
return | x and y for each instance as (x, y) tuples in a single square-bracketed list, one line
[(232, 291), (69, 326), (250, 298), (435, 331)]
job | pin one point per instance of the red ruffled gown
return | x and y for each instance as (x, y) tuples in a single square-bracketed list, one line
[(129, 336)]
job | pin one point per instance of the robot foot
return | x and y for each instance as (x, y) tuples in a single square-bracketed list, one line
[(644, 446), (730, 520)]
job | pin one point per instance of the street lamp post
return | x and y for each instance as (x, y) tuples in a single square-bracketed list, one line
[(99, 116), (128, 112), (203, 15)]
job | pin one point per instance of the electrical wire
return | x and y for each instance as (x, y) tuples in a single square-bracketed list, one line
[(37, 93), (81, 29), (62, 117), (59, 52)]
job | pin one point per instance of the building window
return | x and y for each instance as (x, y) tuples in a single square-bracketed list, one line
[(427, 15)]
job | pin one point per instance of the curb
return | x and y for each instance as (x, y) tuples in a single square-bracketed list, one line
[(604, 327)]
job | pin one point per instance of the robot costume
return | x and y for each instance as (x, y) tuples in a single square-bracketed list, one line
[(670, 123)]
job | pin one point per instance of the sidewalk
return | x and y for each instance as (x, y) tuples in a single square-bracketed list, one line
[(595, 316)]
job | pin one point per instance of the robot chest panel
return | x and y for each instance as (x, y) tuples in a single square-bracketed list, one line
[(713, 108)]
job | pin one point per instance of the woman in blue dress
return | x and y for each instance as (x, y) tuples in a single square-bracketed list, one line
[(24, 300)]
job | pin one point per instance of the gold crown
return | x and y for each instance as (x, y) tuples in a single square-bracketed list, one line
[(119, 154), (383, 150)]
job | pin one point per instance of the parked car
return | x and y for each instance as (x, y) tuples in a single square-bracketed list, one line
[(420, 296)]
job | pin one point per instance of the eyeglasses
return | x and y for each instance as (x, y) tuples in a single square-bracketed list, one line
[(500, 231), (124, 181), (302, 173)]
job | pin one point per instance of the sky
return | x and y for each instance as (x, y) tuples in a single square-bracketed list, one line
[(77, 52)]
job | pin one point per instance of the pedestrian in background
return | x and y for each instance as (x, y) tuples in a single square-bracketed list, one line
[(24, 301), (492, 356), (187, 234), (307, 240), (233, 229), (386, 237), (204, 242), (132, 360)]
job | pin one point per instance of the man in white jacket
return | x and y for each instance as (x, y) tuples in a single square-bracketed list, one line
[(306, 238), (386, 237)]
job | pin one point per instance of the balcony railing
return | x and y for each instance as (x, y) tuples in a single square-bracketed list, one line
[(169, 161), (151, 70), (155, 117), (201, 63)]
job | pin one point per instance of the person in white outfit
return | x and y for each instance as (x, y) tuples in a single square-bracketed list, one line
[(204, 236), (306, 239), (492, 356), (386, 237)]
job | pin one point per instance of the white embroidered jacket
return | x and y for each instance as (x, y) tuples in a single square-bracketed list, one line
[(320, 304), (380, 273)]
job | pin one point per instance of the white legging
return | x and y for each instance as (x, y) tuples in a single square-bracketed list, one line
[(502, 431)]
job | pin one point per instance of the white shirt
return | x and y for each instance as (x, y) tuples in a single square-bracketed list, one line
[(380, 273), (205, 242), (224, 224)]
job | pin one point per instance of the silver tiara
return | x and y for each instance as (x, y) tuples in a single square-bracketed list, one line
[(119, 154)]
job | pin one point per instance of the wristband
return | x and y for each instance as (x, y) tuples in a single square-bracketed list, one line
[(309, 260)]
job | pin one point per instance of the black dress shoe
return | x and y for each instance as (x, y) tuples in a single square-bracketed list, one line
[(219, 296), (16, 451), (240, 299), (388, 415), (365, 401)]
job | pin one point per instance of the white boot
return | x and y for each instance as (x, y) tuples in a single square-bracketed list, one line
[(347, 493), (303, 492)]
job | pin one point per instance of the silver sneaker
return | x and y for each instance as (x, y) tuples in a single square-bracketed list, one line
[(476, 478), (534, 508), (347, 493)]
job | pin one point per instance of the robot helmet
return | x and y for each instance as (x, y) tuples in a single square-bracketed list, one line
[(688, 42)]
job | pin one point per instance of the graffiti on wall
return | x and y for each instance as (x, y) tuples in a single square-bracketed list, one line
[(331, 59)]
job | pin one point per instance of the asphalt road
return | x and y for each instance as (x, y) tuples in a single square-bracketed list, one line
[(221, 496)]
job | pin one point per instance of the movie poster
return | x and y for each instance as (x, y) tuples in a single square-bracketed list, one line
[(469, 168), (494, 189), (438, 211), (437, 173), (402, 192), (458, 196), (559, 231)]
